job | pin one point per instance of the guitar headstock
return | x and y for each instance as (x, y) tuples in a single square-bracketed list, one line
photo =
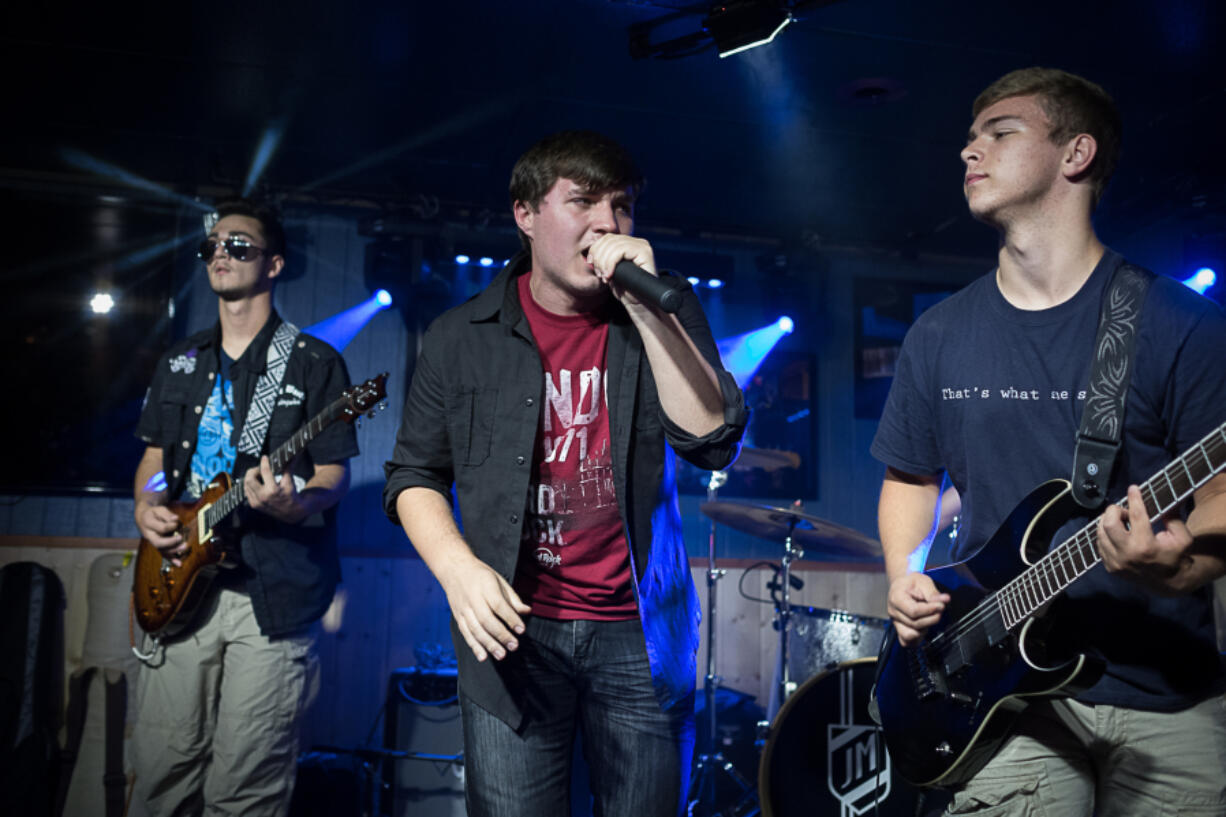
[(364, 397)]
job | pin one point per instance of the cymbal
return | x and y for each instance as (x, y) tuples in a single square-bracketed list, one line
[(768, 459), (768, 522)]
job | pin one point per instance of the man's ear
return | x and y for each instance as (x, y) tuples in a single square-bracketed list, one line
[(525, 217), (275, 265), (1079, 156)]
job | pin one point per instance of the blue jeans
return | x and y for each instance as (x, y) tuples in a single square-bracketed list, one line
[(593, 676)]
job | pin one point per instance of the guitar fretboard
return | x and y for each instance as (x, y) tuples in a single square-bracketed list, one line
[(1039, 584), (285, 453)]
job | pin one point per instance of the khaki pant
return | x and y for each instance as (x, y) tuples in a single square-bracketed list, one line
[(1073, 760), (217, 726)]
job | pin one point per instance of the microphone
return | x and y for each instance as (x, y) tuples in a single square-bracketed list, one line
[(647, 287)]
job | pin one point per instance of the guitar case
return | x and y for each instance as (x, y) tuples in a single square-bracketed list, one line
[(31, 686), (95, 777)]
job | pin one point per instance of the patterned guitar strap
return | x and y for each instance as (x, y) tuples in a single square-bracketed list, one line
[(1102, 417), (255, 428)]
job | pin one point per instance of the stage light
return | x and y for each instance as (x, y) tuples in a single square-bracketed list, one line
[(743, 354), (344, 326), (694, 281), (462, 259), (1201, 280), (714, 283), (101, 303), (739, 25), (785, 325), (486, 262)]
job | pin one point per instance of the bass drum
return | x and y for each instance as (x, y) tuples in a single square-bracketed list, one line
[(825, 754)]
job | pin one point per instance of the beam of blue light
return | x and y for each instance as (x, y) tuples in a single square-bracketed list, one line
[(471, 118), (1201, 280), (138, 257), (743, 354), (344, 326), (263, 153), (84, 161)]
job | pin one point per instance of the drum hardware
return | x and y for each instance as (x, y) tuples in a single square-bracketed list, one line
[(768, 459), (777, 524), (711, 763)]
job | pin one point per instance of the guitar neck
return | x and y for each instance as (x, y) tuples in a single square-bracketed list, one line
[(279, 459), (1051, 575)]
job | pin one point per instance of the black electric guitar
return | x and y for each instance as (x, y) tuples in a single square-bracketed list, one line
[(946, 703), (166, 596)]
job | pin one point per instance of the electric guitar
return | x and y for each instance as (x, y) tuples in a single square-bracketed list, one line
[(167, 597), (946, 703)]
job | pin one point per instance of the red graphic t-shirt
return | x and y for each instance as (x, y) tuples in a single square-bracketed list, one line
[(574, 560)]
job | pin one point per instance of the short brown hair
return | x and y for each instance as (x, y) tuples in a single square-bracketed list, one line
[(1074, 105), (583, 156)]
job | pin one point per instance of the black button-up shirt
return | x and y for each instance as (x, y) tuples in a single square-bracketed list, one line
[(471, 420), (291, 570)]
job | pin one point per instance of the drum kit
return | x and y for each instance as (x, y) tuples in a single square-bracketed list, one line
[(821, 752)]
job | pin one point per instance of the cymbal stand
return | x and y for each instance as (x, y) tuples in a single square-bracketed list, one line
[(784, 685), (710, 761)]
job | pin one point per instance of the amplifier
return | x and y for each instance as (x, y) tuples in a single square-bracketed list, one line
[(423, 718)]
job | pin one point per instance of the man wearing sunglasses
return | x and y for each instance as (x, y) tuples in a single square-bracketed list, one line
[(219, 704)]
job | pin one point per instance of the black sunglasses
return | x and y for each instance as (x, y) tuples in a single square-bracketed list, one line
[(237, 248)]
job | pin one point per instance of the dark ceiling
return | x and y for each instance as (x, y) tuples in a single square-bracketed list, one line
[(426, 105)]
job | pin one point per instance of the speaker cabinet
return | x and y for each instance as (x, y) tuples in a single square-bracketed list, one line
[(423, 720)]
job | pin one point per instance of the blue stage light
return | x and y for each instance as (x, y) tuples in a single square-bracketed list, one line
[(694, 281), (462, 259), (487, 261), (1201, 280), (342, 327), (743, 354), (714, 283), (786, 325)]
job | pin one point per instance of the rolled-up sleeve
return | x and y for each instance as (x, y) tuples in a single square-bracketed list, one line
[(717, 449), (422, 456)]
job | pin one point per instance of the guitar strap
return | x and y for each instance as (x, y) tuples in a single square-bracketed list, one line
[(1102, 417), (264, 400)]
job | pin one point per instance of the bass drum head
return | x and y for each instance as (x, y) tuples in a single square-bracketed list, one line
[(825, 754)]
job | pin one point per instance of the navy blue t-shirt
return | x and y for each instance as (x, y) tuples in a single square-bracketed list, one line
[(993, 395)]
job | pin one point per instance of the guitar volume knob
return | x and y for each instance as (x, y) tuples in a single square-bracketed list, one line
[(944, 749)]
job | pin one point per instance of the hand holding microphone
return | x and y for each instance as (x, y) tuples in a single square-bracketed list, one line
[(648, 288)]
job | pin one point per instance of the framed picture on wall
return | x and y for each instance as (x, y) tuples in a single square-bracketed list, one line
[(885, 310)]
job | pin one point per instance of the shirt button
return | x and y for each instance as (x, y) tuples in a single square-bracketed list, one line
[(187, 444), (210, 375), (176, 473), (199, 409), (514, 519), (529, 402), (519, 460)]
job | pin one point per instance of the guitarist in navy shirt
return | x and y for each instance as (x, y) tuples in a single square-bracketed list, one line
[(989, 390), (219, 704)]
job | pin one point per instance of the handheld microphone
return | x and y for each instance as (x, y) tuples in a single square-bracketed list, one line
[(649, 288)]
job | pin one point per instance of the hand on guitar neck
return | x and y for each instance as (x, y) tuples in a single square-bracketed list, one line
[(278, 496)]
